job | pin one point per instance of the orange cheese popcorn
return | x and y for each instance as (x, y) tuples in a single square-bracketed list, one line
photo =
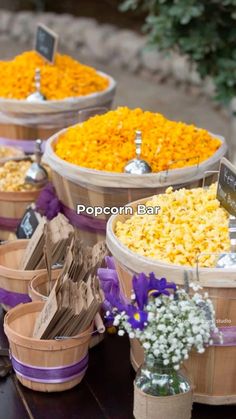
[(106, 142), (64, 79)]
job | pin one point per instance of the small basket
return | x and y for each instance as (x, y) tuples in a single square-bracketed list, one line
[(14, 281), (44, 365), (39, 285), (38, 291), (12, 209)]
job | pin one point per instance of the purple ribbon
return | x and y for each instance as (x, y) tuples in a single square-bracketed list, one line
[(228, 334), (9, 223), (12, 299), (84, 222), (50, 375), (49, 205), (27, 145)]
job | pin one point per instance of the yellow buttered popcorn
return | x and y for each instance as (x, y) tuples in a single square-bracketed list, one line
[(188, 223), (12, 176)]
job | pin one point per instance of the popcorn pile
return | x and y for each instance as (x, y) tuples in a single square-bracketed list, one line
[(189, 222), (12, 176), (106, 142), (65, 78), (6, 152)]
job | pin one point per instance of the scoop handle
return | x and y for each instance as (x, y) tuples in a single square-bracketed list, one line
[(138, 143)]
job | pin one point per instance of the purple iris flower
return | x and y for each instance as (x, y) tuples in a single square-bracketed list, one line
[(108, 319), (159, 286), (111, 287), (137, 318), (145, 286), (141, 288)]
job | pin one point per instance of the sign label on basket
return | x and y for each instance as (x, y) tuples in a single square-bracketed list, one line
[(46, 42), (226, 188), (28, 223)]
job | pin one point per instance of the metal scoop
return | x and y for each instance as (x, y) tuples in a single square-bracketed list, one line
[(37, 95), (36, 175), (137, 166), (227, 260)]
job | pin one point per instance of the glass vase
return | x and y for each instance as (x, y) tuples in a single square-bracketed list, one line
[(156, 379)]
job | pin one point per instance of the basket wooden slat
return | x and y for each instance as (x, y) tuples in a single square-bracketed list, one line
[(12, 278), (207, 370), (77, 185), (45, 354), (24, 120), (12, 207), (38, 287)]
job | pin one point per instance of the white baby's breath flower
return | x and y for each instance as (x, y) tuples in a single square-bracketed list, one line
[(146, 345), (173, 326), (156, 352), (116, 322), (121, 332)]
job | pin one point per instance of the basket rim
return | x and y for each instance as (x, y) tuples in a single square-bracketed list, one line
[(100, 177), (116, 247), (39, 344), (19, 244), (38, 277), (54, 106)]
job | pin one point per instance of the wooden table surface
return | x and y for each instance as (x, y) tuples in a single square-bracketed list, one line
[(106, 392)]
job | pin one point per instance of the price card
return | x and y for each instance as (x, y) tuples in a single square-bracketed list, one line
[(46, 42), (226, 188), (28, 223)]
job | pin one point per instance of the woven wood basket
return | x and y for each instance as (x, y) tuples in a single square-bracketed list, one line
[(178, 406), (39, 286), (44, 365), (14, 281), (39, 290), (76, 185), (23, 121), (12, 208), (208, 369)]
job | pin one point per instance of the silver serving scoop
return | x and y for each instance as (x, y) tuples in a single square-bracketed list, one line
[(36, 175), (227, 260), (37, 95), (137, 166)]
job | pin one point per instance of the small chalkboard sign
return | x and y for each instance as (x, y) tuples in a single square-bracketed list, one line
[(28, 223), (46, 42), (226, 189)]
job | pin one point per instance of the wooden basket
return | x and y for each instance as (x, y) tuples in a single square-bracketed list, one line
[(14, 281), (206, 370), (38, 291), (77, 185), (23, 122), (12, 208), (44, 365), (39, 285)]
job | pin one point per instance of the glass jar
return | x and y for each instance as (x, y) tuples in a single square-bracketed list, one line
[(156, 379)]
